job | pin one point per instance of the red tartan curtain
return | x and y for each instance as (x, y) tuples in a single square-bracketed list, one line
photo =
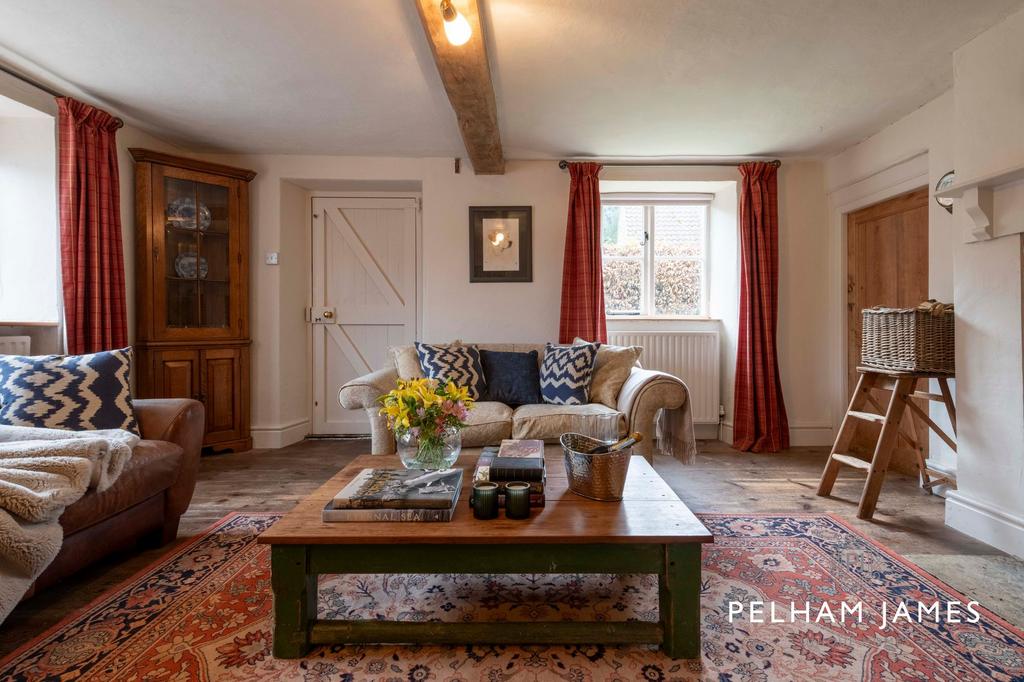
[(582, 278), (759, 415), (91, 252)]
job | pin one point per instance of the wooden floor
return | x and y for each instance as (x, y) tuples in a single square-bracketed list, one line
[(908, 520)]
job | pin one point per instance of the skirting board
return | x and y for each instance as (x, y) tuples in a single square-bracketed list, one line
[(800, 435), (272, 438), (992, 526)]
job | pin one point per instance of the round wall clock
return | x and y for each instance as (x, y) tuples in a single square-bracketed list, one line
[(945, 182)]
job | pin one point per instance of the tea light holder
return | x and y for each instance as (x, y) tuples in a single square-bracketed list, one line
[(484, 500), (517, 500)]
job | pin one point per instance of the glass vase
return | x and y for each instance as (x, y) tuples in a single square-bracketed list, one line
[(431, 454)]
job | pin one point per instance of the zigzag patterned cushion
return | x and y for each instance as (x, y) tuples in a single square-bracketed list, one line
[(460, 364), (566, 372), (71, 392)]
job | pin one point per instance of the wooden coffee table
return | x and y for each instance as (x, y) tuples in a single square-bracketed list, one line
[(650, 531)]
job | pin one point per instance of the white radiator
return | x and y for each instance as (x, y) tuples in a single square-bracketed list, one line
[(691, 356), (15, 345)]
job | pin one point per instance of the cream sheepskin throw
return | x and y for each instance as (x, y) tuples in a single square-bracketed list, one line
[(42, 471)]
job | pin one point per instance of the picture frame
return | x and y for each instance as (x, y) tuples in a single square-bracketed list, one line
[(501, 243)]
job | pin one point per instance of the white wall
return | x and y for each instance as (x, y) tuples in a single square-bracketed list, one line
[(975, 128), (451, 306), (989, 501)]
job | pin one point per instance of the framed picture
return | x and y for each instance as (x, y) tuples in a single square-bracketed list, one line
[(501, 243)]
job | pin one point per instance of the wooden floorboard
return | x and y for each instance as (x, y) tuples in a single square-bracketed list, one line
[(908, 520)]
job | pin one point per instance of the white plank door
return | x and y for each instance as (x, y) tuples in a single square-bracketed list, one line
[(364, 297)]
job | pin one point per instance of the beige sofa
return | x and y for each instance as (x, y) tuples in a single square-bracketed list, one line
[(642, 396)]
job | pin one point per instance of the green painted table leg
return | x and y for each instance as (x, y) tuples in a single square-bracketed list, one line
[(679, 603), (294, 600)]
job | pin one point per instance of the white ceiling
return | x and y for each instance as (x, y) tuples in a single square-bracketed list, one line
[(669, 78)]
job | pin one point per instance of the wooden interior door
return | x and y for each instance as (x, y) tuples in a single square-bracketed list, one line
[(887, 265), (365, 296)]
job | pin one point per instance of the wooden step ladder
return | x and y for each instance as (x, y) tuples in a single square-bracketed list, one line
[(902, 388)]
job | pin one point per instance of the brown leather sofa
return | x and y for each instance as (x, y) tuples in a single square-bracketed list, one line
[(146, 501)]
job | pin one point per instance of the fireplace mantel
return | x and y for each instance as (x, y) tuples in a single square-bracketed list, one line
[(993, 203)]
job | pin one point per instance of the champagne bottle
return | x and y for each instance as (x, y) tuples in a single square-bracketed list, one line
[(629, 441)]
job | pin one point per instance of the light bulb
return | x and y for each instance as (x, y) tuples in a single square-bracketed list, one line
[(456, 27)]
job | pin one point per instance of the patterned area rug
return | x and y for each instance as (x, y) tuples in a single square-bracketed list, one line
[(204, 613)]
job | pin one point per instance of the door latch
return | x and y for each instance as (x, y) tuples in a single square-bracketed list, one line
[(322, 315)]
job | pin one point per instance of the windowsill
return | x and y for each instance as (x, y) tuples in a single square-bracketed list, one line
[(661, 318), (4, 323)]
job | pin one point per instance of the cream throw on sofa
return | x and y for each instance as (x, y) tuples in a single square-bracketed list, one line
[(42, 471)]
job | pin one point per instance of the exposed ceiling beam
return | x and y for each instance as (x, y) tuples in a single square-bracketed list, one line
[(467, 80)]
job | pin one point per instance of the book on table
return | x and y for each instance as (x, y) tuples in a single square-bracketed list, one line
[(397, 495), (514, 460)]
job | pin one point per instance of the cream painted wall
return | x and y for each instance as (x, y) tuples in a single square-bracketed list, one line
[(451, 306), (989, 501), (975, 128)]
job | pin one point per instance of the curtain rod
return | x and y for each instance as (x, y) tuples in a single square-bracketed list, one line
[(563, 164), (45, 88)]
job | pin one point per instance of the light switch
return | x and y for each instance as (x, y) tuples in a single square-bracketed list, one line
[(271, 258)]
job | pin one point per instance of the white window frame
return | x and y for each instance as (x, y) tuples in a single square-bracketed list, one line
[(648, 202)]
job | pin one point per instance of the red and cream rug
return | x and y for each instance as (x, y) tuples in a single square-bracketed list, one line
[(204, 613)]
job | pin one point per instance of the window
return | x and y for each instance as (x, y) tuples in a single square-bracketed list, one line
[(655, 255), (29, 264)]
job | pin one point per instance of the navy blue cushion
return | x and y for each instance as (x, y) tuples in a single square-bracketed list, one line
[(71, 392), (460, 364), (512, 378), (566, 372)]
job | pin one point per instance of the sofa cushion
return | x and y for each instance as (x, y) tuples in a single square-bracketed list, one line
[(460, 364), (566, 372), (611, 369), (549, 422), (488, 424), (406, 361), (153, 468), (72, 392), (512, 378)]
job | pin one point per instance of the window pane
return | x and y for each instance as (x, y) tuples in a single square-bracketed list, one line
[(677, 287), (679, 244), (622, 250), (679, 231), (622, 277)]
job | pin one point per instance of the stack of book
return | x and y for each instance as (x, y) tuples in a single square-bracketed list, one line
[(397, 495), (515, 460)]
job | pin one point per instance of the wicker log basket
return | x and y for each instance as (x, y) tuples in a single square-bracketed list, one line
[(909, 339)]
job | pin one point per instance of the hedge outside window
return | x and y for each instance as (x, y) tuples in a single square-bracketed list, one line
[(655, 255)]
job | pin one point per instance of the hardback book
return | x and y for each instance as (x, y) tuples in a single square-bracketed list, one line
[(485, 471), (332, 515), (518, 460), (511, 447), (400, 489)]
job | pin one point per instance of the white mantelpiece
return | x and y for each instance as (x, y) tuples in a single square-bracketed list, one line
[(991, 206)]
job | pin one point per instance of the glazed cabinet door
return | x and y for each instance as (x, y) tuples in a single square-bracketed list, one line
[(224, 377), (198, 256), (176, 374)]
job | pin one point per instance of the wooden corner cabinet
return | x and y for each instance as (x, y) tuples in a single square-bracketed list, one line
[(192, 289)]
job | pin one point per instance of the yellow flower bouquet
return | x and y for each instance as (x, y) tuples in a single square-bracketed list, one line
[(427, 416)]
